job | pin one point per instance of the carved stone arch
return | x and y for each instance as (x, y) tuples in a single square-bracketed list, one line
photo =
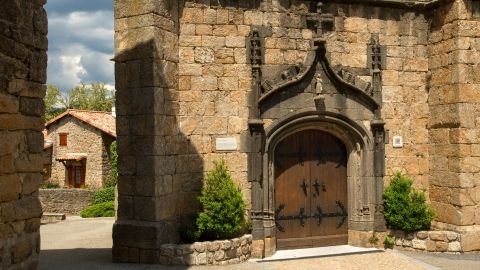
[(360, 145)]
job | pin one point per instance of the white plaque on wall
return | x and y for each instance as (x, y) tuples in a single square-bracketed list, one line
[(226, 144), (397, 141)]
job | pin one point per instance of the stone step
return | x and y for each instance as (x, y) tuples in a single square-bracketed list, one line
[(293, 254), (52, 218)]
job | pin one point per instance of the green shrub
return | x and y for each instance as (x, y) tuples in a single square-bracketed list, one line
[(113, 157), (404, 207), (373, 239), (189, 234), (223, 207), (389, 242), (105, 209), (104, 195), (49, 185)]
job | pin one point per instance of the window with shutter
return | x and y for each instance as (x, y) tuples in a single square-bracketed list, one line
[(63, 139)]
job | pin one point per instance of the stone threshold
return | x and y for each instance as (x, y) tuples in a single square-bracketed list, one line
[(295, 254), (48, 218)]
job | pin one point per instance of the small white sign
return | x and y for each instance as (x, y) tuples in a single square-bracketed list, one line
[(397, 141), (226, 144)]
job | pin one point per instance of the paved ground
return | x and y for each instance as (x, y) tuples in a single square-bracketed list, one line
[(447, 261), (84, 244)]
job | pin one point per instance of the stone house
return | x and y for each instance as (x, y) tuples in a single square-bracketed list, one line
[(78, 143), (313, 105)]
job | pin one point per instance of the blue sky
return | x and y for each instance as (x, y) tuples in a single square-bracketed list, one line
[(80, 42)]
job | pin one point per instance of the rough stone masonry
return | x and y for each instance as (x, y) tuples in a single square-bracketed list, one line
[(23, 63), (190, 72)]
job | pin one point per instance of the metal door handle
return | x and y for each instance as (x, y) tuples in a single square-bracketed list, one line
[(317, 185), (304, 186)]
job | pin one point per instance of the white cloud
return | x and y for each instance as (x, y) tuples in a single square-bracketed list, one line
[(80, 48), (72, 69)]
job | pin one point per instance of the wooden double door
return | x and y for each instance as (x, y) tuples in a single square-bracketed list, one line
[(311, 190), (76, 175)]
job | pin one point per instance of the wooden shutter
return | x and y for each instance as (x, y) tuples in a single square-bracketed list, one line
[(63, 139)]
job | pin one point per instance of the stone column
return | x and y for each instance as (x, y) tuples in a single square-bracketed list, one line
[(150, 199), (23, 66), (454, 103)]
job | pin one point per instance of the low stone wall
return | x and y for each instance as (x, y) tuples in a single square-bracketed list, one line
[(432, 241), (66, 201), (207, 253)]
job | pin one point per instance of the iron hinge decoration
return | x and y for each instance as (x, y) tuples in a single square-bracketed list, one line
[(343, 214), (277, 217), (319, 216)]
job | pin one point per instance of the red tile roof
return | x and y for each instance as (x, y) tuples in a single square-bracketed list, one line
[(72, 157), (104, 121)]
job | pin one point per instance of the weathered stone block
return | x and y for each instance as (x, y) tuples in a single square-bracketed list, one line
[(470, 241), (22, 251), (454, 246), (454, 215), (441, 246), (418, 244), (422, 235), (430, 245), (10, 187)]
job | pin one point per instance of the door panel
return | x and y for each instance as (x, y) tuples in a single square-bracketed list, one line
[(310, 190), (293, 189)]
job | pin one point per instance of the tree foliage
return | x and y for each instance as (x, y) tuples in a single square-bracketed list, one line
[(223, 206), (404, 207), (112, 178), (53, 99), (94, 97)]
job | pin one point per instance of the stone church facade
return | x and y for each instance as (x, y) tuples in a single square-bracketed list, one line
[(266, 84), (278, 89)]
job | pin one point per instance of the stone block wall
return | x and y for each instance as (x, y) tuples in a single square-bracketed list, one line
[(454, 64), (184, 80), (215, 76), (436, 241), (207, 253), (404, 34), (65, 201), (159, 169), (23, 61), (82, 138)]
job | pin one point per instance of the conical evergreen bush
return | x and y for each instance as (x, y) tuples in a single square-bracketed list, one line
[(223, 206), (404, 207)]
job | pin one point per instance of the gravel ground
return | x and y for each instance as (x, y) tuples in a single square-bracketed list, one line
[(85, 244)]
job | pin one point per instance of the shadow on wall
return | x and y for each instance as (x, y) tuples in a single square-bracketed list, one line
[(93, 259), (160, 171)]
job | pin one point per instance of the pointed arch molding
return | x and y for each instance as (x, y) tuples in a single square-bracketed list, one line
[(315, 95), (296, 74)]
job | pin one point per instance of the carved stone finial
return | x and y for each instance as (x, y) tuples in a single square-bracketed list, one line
[(319, 7), (376, 53)]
